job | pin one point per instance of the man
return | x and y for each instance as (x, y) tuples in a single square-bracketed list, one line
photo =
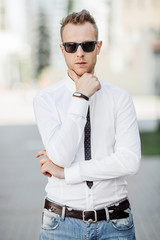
[(89, 130)]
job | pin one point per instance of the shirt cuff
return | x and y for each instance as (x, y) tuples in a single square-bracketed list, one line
[(79, 107), (72, 174)]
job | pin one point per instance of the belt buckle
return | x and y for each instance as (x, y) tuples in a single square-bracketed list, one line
[(90, 220)]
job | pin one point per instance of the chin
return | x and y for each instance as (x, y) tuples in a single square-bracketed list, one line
[(80, 72)]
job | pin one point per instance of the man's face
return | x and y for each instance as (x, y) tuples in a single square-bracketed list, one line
[(81, 62)]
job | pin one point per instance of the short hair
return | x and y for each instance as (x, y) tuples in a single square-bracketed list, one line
[(79, 18)]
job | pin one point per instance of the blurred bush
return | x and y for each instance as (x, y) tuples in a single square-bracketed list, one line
[(150, 142)]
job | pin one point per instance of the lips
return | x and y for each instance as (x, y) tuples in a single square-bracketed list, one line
[(81, 63)]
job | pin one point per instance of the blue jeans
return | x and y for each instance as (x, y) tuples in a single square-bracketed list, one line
[(54, 228)]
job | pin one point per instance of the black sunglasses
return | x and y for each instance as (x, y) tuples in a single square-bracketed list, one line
[(71, 47)]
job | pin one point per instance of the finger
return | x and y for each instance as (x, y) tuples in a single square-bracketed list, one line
[(40, 153), (44, 160), (47, 174), (73, 75), (45, 170), (99, 88)]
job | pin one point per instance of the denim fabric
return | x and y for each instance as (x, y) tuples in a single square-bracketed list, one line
[(53, 228)]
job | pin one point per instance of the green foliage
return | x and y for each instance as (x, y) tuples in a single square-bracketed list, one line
[(70, 6), (150, 142)]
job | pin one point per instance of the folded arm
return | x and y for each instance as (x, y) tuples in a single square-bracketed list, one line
[(61, 139), (125, 159)]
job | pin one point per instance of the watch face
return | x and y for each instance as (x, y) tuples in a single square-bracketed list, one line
[(77, 94)]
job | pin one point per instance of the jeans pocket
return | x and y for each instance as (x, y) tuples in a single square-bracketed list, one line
[(50, 220), (123, 224)]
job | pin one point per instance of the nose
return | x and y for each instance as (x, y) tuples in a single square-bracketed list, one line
[(80, 51)]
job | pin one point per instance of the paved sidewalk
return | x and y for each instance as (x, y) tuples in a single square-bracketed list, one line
[(144, 193), (22, 188)]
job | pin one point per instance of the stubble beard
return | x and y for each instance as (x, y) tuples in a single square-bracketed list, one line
[(88, 70)]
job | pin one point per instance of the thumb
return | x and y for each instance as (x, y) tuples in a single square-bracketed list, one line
[(73, 75)]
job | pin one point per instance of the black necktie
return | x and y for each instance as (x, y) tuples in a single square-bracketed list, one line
[(87, 142)]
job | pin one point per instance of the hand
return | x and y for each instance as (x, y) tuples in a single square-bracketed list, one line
[(87, 84), (48, 168)]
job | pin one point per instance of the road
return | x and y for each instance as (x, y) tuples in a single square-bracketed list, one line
[(22, 188)]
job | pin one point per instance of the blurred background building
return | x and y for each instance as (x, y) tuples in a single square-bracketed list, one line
[(130, 30), (30, 57)]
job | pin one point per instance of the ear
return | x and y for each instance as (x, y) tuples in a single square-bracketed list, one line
[(62, 48), (99, 45)]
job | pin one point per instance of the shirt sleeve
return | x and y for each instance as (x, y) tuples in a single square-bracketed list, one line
[(125, 160), (61, 139)]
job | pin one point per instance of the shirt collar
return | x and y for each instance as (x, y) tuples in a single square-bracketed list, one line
[(70, 84)]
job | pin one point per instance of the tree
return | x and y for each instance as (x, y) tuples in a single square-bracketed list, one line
[(43, 43), (70, 6)]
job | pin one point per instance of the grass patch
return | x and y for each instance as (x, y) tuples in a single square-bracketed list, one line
[(150, 142)]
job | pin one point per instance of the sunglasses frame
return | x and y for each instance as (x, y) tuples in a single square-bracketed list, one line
[(79, 44)]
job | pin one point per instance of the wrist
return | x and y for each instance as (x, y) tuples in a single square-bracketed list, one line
[(80, 95)]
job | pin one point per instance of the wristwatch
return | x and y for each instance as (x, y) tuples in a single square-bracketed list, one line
[(77, 94)]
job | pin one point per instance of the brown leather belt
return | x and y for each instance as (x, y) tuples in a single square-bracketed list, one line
[(110, 213)]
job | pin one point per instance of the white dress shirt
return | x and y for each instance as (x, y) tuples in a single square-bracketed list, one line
[(115, 143)]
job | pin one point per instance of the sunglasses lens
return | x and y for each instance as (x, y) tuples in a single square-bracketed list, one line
[(70, 47), (88, 46)]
